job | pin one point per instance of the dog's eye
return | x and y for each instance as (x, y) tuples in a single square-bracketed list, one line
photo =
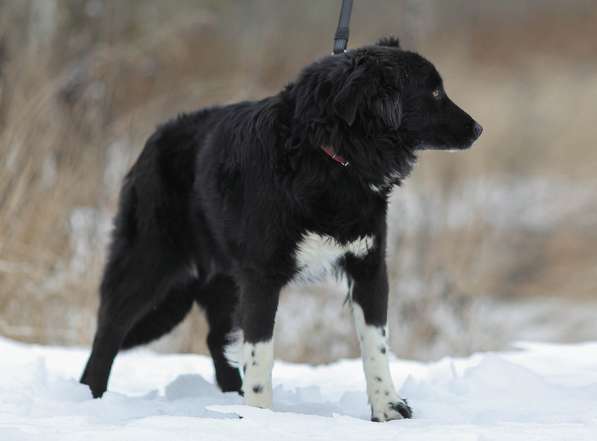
[(436, 94)]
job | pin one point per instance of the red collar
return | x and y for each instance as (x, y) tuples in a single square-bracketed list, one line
[(331, 152)]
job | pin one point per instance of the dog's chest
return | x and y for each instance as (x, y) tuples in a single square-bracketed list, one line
[(317, 256)]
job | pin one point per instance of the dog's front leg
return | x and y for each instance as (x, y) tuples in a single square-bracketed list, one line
[(258, 305), (369, 300)]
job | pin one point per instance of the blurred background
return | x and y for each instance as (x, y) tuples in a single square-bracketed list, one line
[(489, 246)]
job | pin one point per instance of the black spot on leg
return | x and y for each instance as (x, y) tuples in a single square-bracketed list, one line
[(383, 332), (254, 363), (386, 393), (253, 353), (382, 349), (245, 368), (258, 388), (378, 379), (402, 408)]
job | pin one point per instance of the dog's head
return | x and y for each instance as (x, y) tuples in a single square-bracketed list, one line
[(378, 105)]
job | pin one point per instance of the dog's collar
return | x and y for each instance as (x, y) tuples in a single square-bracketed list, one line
[(331, 152)]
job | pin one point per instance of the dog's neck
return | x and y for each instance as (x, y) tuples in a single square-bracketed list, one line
[(381, 184)]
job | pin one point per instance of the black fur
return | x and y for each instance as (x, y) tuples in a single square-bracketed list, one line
[(213, 209)]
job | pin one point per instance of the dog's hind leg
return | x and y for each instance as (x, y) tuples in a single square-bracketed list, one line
[(218, 298), (369, 300), (133, 283)]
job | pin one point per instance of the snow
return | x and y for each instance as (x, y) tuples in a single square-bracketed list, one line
[(534, 392)]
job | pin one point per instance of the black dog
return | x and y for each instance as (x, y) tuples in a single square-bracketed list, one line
[(227, 205)]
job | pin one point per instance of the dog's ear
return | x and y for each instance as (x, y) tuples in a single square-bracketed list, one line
[(350, 96), (389, 41)]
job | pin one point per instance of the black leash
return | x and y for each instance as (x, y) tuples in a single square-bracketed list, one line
[(340, 43), (342, 33)]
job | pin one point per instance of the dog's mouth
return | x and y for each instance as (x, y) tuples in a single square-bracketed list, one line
[(446, 147), (453, 146), (450, 147)]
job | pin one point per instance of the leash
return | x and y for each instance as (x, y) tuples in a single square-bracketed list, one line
[(342, 32), (340, 43)]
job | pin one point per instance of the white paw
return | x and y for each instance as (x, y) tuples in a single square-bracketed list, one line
[(387, 409), (258, 395)]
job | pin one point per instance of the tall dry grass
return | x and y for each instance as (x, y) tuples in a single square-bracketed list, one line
[(83, 83)]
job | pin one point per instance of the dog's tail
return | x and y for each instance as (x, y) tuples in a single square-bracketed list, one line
[(164, 317)]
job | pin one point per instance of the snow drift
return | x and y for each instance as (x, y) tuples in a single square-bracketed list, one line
[(535, 392)]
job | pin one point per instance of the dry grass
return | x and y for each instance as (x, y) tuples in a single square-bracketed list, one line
[(514, 217)]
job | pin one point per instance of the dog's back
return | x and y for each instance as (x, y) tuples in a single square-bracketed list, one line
[(155, 202)]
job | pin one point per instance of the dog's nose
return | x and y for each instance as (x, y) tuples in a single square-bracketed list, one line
[(477, 130)]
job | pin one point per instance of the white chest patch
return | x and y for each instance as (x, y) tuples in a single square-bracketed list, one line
[(317, 256)]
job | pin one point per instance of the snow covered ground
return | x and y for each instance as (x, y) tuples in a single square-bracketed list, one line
[(537, 392)]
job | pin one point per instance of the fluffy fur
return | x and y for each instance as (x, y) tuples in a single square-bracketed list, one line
[(216, 208)]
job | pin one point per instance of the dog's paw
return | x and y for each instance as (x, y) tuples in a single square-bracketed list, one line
[(391, 410), (258, 396)]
